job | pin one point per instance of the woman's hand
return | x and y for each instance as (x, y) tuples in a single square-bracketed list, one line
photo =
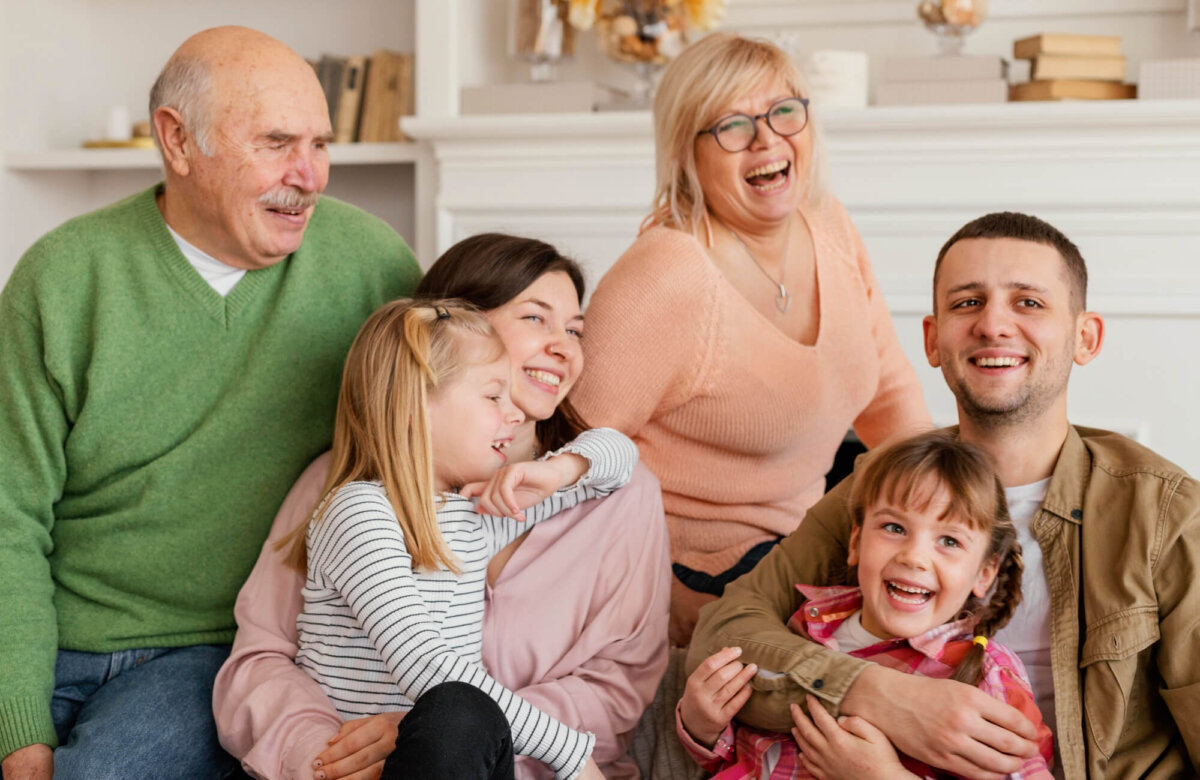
[(714, 693), (360, 747), (843, 749), (519, 486), (590, 771)]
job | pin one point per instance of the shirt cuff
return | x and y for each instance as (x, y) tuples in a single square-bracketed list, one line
[(709, 759)]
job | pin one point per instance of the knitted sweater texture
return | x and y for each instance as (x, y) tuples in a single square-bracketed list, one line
[(738, 421), (149, 429)]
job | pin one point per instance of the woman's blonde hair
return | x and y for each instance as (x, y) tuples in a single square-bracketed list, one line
[(403, 352), (695, 91), (901, 473)]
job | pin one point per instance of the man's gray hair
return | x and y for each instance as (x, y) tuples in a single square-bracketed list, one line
[(184, 86)]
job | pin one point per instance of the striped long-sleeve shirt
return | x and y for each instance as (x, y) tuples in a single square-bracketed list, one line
[(376, 634)]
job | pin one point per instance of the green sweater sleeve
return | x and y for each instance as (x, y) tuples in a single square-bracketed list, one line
[(33, 430)]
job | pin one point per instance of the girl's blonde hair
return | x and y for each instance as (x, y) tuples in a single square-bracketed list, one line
[(902, 473), (403, 352), (695, 91)]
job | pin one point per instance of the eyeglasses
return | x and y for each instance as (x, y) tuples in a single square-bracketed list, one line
[(736, 132)]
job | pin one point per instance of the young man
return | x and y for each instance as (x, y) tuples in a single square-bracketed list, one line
[(1110, 531), (170, 364)]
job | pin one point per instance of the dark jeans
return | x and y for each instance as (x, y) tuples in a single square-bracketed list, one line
[(454, 732), (714, 584)]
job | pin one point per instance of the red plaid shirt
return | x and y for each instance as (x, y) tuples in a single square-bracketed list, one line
[(742, 753)]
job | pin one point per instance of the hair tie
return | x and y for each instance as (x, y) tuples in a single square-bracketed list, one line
[(982, 641), (442, 312)]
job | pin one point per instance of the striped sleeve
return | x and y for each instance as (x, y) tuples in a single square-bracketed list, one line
[(358, 548), (611, 457)]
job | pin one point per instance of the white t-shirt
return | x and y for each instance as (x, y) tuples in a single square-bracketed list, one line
[(851, 635), (1028, 633), (221, 277)]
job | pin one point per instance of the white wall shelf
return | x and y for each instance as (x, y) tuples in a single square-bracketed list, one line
[(148, 159)]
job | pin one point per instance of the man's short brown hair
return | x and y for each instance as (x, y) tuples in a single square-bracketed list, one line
[(1023, 227)]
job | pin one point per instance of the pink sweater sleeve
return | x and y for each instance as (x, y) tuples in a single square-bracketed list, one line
[(577, 621), (269, 712), (898, 407)]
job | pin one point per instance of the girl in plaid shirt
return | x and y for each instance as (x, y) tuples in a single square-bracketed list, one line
[(939, 572)]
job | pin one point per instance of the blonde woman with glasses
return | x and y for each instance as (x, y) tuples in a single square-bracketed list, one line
[(743, 333)]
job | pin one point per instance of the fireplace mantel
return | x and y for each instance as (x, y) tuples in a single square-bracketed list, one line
[(1121, 178)]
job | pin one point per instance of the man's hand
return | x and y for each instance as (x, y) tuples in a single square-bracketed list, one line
[(714, 694), (358, 750), (519, 486), (946, 724), (32, 762), (845, 749)]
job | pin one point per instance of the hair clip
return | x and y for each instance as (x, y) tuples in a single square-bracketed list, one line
[(982, 641), (442, 312)]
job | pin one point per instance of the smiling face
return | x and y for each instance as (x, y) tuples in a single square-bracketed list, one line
[(472, 418), (1005, 332), (917, 566), (254, 196), (541, 328), (764, 184)]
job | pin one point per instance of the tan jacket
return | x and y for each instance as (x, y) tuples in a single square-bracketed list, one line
[(1120, 537)]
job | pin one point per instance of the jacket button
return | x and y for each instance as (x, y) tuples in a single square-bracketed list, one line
[(1077, 514), (814, 612), (818, 684)]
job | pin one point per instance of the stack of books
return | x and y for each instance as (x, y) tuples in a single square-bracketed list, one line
[(913, 81), (1072, 67), (367, 95)]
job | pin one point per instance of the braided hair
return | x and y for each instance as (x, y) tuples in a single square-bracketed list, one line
[(1005, 591)]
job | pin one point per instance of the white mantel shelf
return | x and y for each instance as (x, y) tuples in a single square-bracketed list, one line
[(1121, 178), (1111, 172), (148, 159), (1174, 123)]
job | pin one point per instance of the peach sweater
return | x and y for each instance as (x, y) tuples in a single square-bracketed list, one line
[(738, 421)]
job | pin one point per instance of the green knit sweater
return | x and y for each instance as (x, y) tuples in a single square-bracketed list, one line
[(149, 429)]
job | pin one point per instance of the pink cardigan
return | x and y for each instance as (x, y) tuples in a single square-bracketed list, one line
[(577, 625)]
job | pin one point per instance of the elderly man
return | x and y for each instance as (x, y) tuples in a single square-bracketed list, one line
[(1110, 622), (170, 364)]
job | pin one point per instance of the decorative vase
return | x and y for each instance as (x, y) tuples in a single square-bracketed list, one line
[(951, 20), (539, 35), (646, 34)]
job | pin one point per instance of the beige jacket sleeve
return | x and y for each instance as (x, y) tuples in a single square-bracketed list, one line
[(754, 611)]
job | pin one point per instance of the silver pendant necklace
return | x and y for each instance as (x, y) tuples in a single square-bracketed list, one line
[(783, 299)]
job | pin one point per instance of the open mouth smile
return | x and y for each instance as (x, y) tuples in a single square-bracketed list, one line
[(910, 595), (544, 377), (769, 177)]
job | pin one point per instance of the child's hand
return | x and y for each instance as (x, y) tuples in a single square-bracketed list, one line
[(515, 488), (843, 749), (714, 694)]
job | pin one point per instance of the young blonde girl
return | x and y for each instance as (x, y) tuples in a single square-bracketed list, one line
[(939, 572), (396, 553)]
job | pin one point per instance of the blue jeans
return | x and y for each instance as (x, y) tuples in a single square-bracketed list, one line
[(138, 713)]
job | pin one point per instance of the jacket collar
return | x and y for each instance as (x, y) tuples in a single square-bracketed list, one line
[(1068, 483), (826, 608)]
